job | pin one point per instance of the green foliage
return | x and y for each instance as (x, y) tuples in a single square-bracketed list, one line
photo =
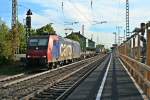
[(14, 41), (22, 38), (15, 38), (107, 50), (1, 22), (100, 46), (11, 41), (45, 29), (82, 41), (33, 32), (5, 48), (74, 37)]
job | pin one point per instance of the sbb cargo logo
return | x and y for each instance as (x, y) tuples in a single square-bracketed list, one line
[(66, 50)]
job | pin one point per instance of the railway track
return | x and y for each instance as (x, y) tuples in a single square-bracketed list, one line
[(62, 89), (11, 79), (28, 85)]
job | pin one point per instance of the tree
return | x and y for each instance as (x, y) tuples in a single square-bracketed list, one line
[(33, 32), (22, 38), (1, 22), (5, 44), (100, 46), (73, 37), (14, 41), (46, 29), (19, 34)]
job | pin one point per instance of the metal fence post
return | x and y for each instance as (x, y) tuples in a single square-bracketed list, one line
[(134, 47), (148, 47), (148, 55), (139, 49)]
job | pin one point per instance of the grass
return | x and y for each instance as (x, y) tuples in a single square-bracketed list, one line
[(11, 69)]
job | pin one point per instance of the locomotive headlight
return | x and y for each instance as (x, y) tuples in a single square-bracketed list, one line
[(28, 56), (44, 56)]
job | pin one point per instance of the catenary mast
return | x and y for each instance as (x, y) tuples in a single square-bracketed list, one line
[(14, 14)]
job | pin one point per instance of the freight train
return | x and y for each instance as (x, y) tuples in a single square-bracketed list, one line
[(51, 50)]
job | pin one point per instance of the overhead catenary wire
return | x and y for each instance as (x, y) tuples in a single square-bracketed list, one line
[(62, 8), (91, 4), (35, 11), (63, 13), (79, 11)]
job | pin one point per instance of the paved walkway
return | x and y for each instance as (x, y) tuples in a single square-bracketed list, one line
[(87, 90), (118, 85)]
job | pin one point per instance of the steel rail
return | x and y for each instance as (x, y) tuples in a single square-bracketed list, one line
[(21, 88), (70, 88)]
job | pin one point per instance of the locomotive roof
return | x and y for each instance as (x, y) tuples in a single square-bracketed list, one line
[(39, 36), (45, 36), (42, 36)]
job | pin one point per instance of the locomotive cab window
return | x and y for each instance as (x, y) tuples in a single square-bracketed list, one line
[(42, 42), (38, 42), (33, 42)]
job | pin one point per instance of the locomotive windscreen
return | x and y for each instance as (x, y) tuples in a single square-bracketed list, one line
[(38, 42)]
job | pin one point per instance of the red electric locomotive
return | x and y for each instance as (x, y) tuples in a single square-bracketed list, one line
[(50, 50)]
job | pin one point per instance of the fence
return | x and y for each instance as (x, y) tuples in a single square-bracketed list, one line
[(135, 53)]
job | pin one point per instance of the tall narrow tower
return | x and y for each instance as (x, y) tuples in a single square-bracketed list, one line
[(83, 30), (127, 19), (14, 13)]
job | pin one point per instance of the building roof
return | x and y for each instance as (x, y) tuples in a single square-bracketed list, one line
[(91, 40)]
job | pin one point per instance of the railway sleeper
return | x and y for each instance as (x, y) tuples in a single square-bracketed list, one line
[(64, 83), (53, 95), (59, 89), (64, 87), (45, 97)]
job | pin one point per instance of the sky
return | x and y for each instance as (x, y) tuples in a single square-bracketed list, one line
[(81, 11)]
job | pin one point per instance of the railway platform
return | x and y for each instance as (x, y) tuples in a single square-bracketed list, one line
[(119, 85), (110, 81)]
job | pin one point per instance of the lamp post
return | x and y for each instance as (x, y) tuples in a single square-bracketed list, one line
[(68, 29), (118, 29), (115, 37), (95, 22)]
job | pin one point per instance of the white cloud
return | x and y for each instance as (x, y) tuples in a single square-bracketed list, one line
[(79, 10)]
